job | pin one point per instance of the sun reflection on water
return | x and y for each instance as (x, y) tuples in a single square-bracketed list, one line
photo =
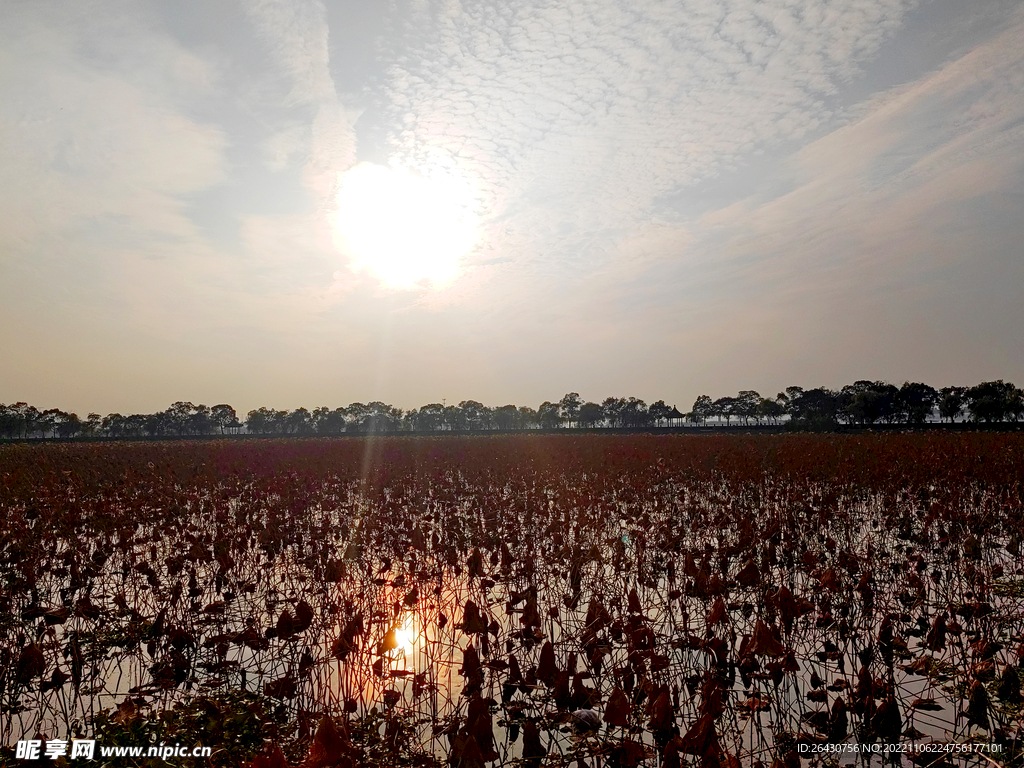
[(406, 634)]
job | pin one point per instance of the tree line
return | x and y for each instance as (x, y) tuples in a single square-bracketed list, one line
[(867, 403), (863, 403)]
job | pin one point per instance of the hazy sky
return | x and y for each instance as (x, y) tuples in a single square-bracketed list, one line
[(658, 198)]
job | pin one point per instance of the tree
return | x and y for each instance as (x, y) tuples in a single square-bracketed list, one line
[(178, 417), (658, 412), (201, 421), (917, 402), (634, 413), (746, 405), (261, 421), (506, 417), (590, 414), (48, 420), (376, 417), (724, 407), (613, 407), (867, 402), (223, 416), (114, 425), (298, 422), (702, 409), (951, 402), (453, 418), (528, 418), (428, 418), (1015, 403), (854, 402), (991, 400), (20, 419), (549, 416), (475, 416), (69, 425), (813, 408), (135, 424), (158, 424), (93, 424), (328, 422), (569, 407), (772, 410), (356, 416)]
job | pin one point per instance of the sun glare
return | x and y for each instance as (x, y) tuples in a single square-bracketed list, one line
[(405, 635), (405, 227)]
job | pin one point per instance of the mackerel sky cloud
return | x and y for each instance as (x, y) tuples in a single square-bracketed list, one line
[(669, 198)]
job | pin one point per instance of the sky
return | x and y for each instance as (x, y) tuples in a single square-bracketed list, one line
[(290, 203)]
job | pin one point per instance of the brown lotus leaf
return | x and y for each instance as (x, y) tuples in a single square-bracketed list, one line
[(533, 750), (31, 663), (718, 612), (285, 624), (764, 643), (303, 616), (616, 712), (547, 668), (748, 575)]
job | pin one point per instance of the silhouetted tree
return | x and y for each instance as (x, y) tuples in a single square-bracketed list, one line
[(992, 400), (813, 408), (298, 422), (746, 405), (69, 425), (528, 418), (658, 412), (177, 418), (475, 416), (548, 414), (917, 402), (507, 417), (20, 420), (427, 418), (93, 424), (569, 407), (951, 402), (159, 424), (223, 416), (328, 422), (772, 410), (612, 408), (454, 418), (137, 424), (373, 418), (264, 421), (634, 413), (724, 407), (591, 414), (867, 402), (702, 409), (863, 402)]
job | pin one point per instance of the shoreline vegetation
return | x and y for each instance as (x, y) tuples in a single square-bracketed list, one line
[(863, 405), (710, 429)]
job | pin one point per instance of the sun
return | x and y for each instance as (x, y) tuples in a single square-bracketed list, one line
[(405, 635), (406, 228)]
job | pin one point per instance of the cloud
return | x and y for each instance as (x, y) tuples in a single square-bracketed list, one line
[(296, 34), (882, 186), (574, 119), (897, 242), (87, 145)]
